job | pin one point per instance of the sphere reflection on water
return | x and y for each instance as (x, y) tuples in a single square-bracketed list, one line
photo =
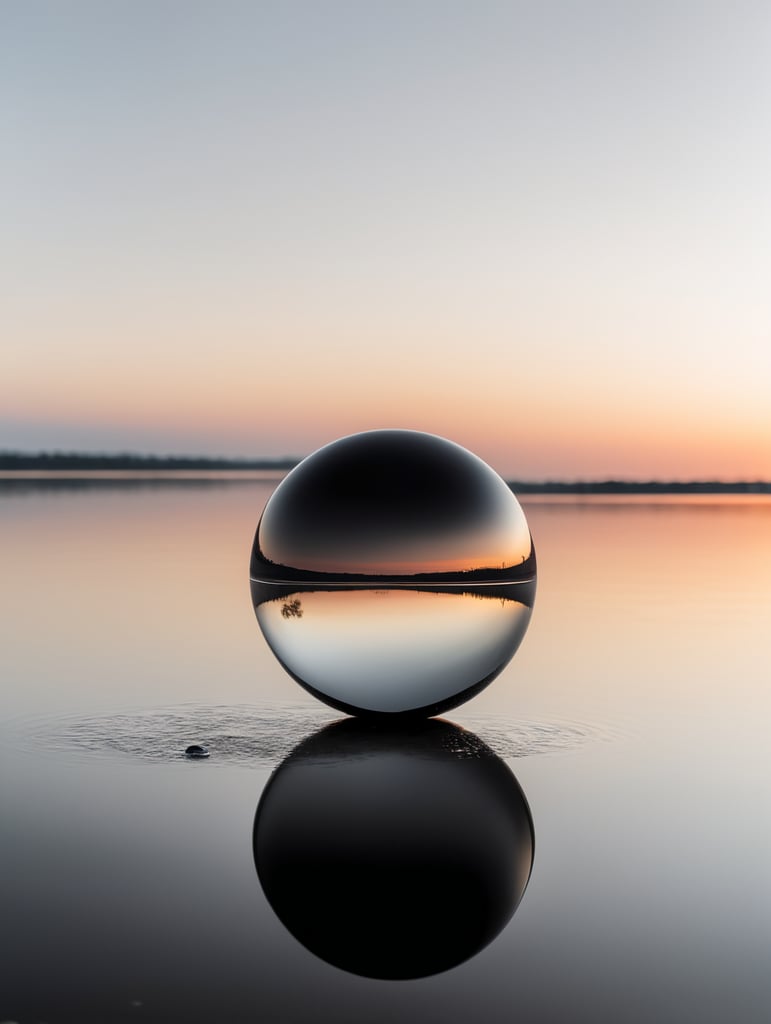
[(393, 572), (393, 854)]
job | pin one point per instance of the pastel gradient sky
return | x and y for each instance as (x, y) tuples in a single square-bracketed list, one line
[(540, 229)]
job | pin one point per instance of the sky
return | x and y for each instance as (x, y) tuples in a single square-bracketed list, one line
[(540, 229)]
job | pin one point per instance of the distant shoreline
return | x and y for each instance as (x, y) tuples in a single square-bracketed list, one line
[(70, 464), (127, 462), (641, 487)]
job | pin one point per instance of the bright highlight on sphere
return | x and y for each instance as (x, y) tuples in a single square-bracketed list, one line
[(393, 572)]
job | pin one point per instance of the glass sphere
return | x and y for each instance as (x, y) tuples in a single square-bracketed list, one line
[(393, 572)]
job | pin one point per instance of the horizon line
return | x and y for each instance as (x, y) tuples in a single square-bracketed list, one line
[(58, 460)]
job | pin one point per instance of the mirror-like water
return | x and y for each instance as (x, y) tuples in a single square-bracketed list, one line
[(636, 719)]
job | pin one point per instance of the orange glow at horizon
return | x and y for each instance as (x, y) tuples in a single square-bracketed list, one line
[(550, 443), (291, 390), (407, 567)]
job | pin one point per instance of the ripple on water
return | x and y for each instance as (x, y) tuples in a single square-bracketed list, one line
[(257, 735)]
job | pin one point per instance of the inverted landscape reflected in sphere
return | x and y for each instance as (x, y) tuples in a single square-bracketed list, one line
[(393, 572), (393, 852)]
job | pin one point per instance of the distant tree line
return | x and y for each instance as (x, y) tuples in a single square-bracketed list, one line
[(66, 461), (79, 461), (641, 487)]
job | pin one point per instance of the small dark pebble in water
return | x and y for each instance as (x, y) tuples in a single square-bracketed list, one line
[(196, 750)]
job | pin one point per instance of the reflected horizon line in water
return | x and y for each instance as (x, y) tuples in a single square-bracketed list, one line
[(393, 853)]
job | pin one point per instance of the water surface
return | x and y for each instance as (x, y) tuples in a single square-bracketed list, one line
[(635, 718)]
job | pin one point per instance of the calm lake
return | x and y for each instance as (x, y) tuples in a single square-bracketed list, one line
[(635, 719)]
